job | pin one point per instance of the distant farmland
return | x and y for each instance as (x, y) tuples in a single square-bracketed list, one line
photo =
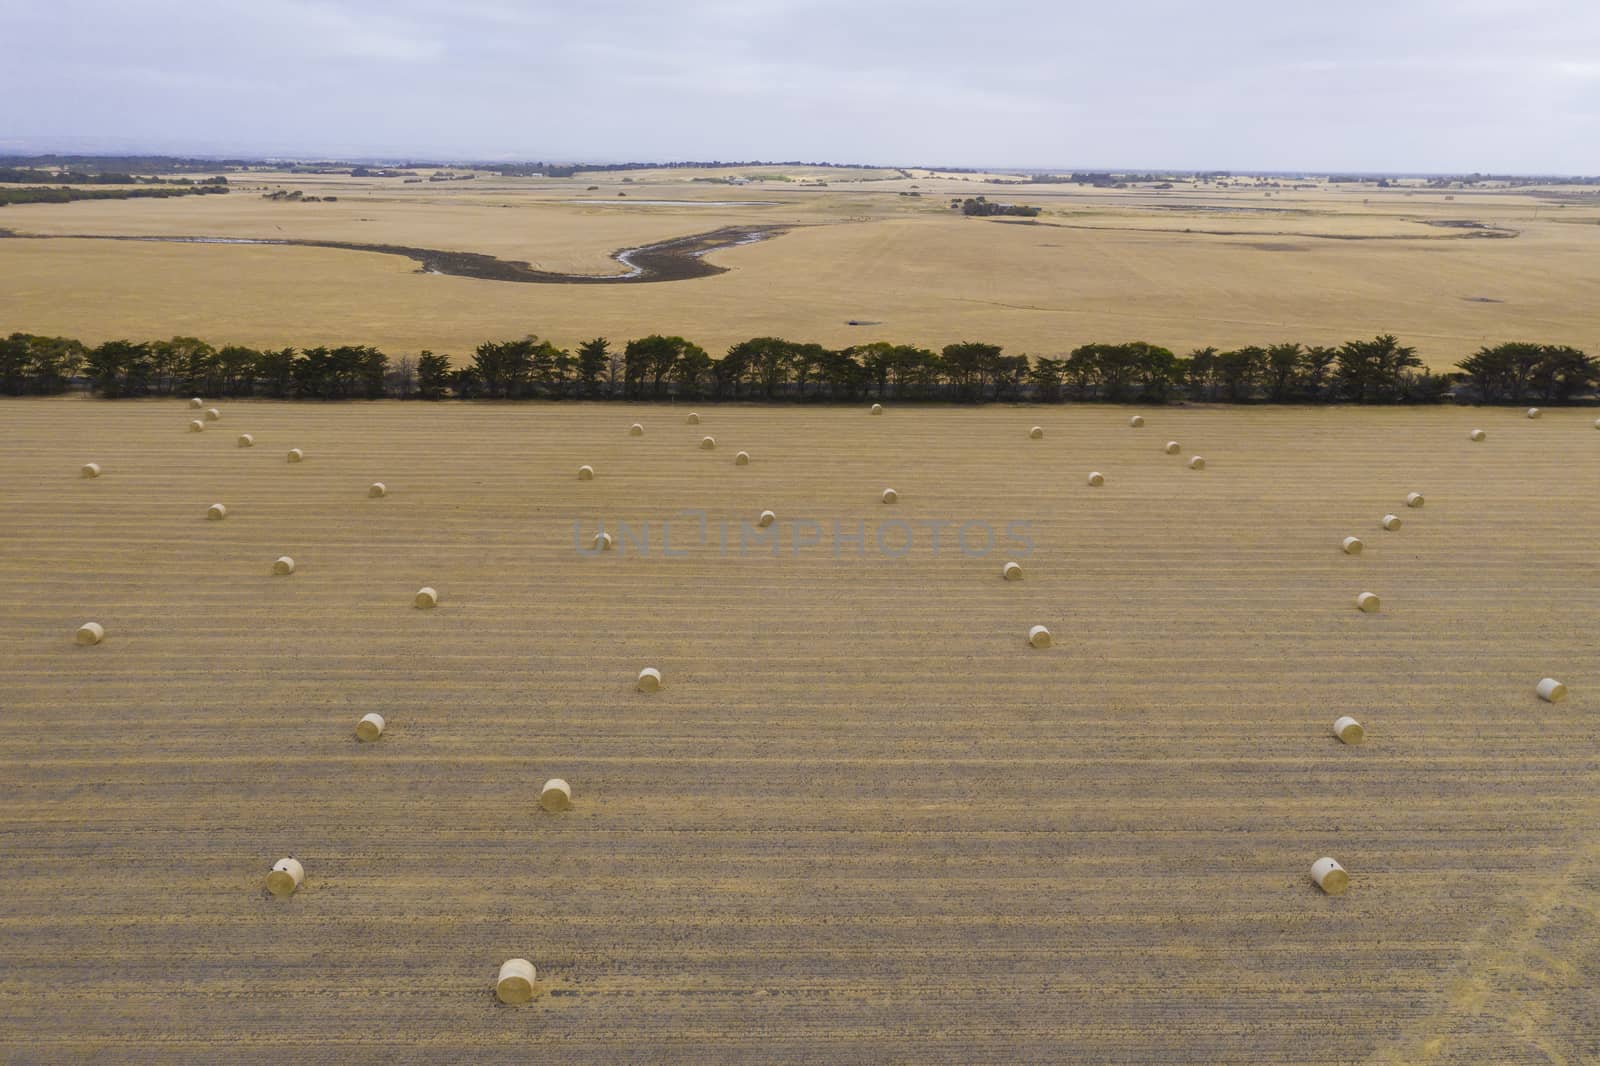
[(1186, 267)]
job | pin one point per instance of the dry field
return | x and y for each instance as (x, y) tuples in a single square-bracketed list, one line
[(1186, 267), (863, 820)]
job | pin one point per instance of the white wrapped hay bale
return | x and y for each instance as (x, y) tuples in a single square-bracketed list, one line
[(1391, 522), (1039, 637), (1136, 421), (556, 795), (1173, 447), (1415, 499), (1096, 479), (196, 402), (585, 473), (196, 426), (283, 565), (515, 983), (1477, 434), (1367, 603), (1036, 433), (377, 490), (1197, 462), (1597, 423), (90, 470), (1330, 876), (246, 440), (212, 414), (370, 728), (91, 633), (649, 679), (1011, 572), (636, 430), (1353, 545), (426, 597), (285, 877), (766, 519), (603, 542), (890, 496), (877, 409), (1552, 691), (707, 443), (693, 419), (742, 459), (296, 455), (216, 512), (1348, 730), (1534, 412)]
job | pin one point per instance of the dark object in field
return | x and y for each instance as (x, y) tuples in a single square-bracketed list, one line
[(860, 322)]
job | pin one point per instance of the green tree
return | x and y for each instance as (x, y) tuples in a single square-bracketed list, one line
[(592, 358), (433, 375), (1375, 371)]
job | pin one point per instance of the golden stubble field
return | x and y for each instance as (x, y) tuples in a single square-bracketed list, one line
[(863, 821), (1187, 267)]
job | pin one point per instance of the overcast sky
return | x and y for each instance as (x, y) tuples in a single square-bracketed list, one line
[(1403, 85)]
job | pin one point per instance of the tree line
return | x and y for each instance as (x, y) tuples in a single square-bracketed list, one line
[(1376, 371)]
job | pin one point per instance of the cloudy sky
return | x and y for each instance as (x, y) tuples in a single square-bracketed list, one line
[(1402, 85)]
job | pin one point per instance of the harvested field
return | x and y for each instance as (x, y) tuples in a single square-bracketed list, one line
[(862, 820)]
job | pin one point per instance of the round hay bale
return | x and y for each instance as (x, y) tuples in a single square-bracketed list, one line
[(1349, 730), (246, 441), (1197, 462), (1477, 434), (1173, 447), (90, 470), (742, 459), (693, 419), (377, 490), (707, 443), (216, 512), (1330, 876), (1096, 479), (766, 519), (585, 473), (1391, 522), (1367, 603), (1136, 421), (1011, 572), (556, 795), (212, 414), (515, 983), (649, 679), (426, 597), (1353, 545), (1552, 691), (370, 728), (1597, 423), (877, 409), (1415, 499), (196, 402), (1534, 412), (283, 565), (1036, 433), (636, 430), (286, 876), (890, 496), (602, 542), (196, 426), (1039, 637), (296, 455), (91, 633)]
